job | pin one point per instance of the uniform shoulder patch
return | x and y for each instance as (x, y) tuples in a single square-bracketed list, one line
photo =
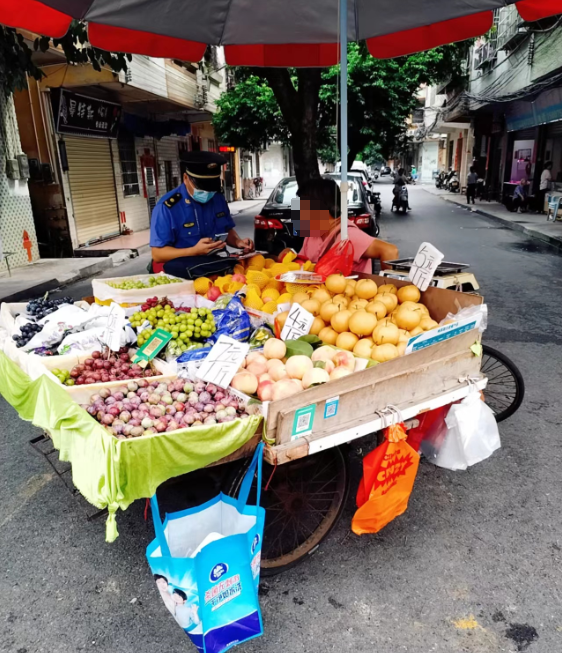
[(171, 201)]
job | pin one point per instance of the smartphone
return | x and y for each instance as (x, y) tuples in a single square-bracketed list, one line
[(221, 237)]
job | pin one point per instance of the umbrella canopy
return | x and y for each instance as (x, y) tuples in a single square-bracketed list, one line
[(284, 33), (266, 32)]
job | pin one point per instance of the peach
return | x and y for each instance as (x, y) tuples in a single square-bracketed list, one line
[(265, 390), (274, 348), (284, 388), (339, 372), (344, 359), (245, 382), (257, 367), (255, 356), (298, 366)]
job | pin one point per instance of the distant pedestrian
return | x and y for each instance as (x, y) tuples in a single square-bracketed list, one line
[(546, 183), (521, 196), (471, 185)]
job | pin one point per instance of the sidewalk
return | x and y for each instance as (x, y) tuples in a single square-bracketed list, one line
[(137, 243), (34, 280), (533, 225), (244, 205)]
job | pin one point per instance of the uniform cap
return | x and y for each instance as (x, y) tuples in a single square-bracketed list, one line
[(204, 168)]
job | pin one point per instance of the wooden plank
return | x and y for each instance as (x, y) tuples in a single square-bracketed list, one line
[(289, 451), (407, 367), (360, 403)]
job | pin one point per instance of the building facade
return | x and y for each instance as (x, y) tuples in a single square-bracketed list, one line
[(104, 147), (507, 121)]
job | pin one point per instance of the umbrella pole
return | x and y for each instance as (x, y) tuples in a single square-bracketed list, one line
[(343, 117)]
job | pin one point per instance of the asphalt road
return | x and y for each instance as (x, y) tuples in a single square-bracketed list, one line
[(473, 566)]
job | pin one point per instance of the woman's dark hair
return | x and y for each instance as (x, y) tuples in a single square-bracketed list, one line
[(323, 194), (547, 163), (181, 594), (159, 576)]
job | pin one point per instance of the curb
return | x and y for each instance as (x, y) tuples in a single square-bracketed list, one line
[(255, 203), (514, 226)]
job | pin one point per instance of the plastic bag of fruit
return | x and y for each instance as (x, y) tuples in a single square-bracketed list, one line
[(231, 321), (132, 291)]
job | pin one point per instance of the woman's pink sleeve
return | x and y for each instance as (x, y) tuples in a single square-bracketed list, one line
[(361, 242)]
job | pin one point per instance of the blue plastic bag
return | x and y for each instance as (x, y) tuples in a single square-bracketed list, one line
[(232, 321), (212, 590)]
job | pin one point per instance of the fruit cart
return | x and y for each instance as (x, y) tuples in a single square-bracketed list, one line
[(306, 481)]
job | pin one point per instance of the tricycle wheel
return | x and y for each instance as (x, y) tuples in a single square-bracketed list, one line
[(303, 503), (506, 388)]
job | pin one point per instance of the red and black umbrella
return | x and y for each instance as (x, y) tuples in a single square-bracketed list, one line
[(283, 33), (266, 32)]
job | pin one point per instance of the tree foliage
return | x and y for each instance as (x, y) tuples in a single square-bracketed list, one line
[(302, 106), (249, 115), (16, 57)]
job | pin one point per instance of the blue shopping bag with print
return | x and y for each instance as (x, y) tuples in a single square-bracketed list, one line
[(206, 564)]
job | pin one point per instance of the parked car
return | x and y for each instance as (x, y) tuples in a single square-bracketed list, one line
[(365, 180), (385, 170), (273, 227)]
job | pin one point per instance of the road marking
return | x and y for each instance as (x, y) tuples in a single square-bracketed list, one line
[(466, 624)]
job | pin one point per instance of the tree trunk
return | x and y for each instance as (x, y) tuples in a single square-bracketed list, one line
[(299, 107)]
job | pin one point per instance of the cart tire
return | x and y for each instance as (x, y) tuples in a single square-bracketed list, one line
[(506, 389), (303, 503)]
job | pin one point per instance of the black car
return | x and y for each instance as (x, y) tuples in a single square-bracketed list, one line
[(273, 227)]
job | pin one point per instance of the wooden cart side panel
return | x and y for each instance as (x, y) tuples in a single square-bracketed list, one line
[(437, 376), (400, 367), (305, 446)]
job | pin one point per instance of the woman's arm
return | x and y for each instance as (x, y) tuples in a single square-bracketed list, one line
[(383, 251)]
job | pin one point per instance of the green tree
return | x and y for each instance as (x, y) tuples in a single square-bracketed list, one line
[(381, 94), (249, 115), (16, 57)]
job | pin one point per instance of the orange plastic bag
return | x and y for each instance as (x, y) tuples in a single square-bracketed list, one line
[(389, 472)]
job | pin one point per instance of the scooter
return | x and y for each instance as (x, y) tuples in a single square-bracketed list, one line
[(440, 179), (453, 183), (377, 204), (400, 201)]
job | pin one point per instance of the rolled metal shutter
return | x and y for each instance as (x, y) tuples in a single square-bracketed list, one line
[(92, 185), (554, 129), (525, 134)]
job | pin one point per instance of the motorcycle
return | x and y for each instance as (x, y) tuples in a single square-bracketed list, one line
[(377, 203), (453, 183), (440, 179), (400, 201)]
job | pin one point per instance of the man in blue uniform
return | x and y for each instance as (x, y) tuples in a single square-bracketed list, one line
[(192, 224)]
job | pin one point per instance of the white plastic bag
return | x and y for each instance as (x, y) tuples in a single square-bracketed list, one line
[(472, 434)]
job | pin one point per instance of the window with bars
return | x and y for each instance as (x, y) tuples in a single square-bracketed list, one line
[(128, 160)]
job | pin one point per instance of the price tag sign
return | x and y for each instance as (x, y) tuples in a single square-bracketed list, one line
[(298, 323), (152, 347), (424, 265), (223, 361), (115, 324)]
